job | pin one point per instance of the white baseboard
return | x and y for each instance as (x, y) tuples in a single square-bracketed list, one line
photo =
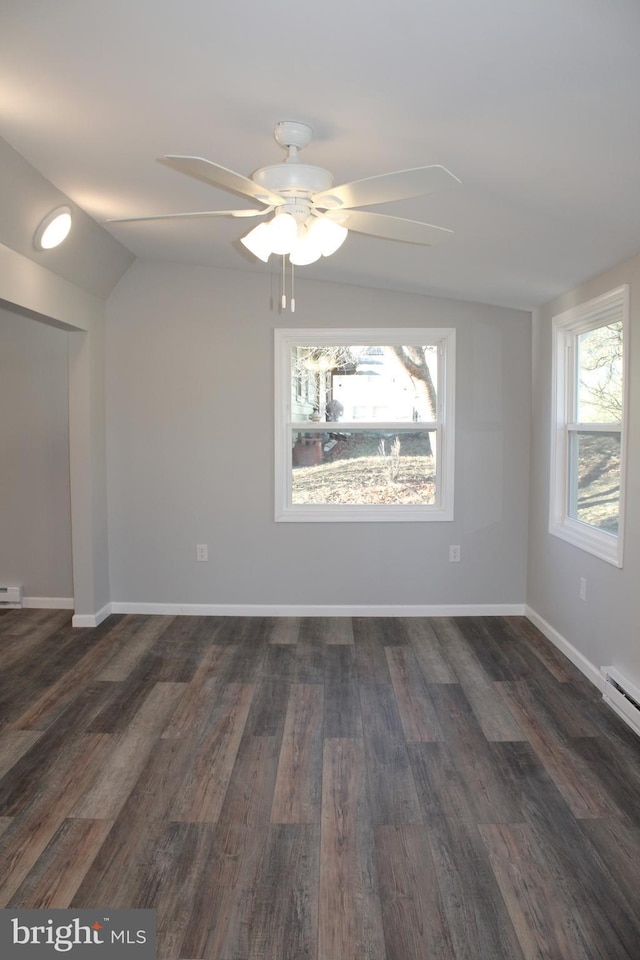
[(91, 619), (590, 671), (47, 603), (299, 610), (320, 610)]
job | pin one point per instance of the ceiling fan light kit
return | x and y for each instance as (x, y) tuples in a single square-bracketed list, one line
[(303, 243), (320, 239), (311, 217), (258, 242), (283, 231), (329, 234), (305, 250)]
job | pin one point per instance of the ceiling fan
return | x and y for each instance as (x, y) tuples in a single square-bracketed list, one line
[(312, 217)]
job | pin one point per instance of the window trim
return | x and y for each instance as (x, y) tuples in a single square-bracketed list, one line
[(566, 328), (444, 337)]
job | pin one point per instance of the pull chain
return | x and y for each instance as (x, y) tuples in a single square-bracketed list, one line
[(293, 289), (283, 288)]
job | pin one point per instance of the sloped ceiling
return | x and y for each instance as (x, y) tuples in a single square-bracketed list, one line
[(533, 104), (90, 258)]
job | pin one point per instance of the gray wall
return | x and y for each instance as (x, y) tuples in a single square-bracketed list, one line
[(90, 258), (190, 450), (64, 288), (604, 628), (35, 508)]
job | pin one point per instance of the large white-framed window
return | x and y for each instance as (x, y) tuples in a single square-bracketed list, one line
[(371, 438), (588, 431)]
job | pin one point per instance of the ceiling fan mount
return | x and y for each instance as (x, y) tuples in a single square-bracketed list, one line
[(314, 204), (292, 134)]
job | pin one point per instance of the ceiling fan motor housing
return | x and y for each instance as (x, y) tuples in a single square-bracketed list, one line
[(297, 183), (293, 179)]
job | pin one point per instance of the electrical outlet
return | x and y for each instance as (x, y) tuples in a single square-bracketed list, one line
[(454, 554), (202, 551), (583, 588)]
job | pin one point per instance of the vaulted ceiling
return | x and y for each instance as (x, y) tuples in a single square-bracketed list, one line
[(533, 104)]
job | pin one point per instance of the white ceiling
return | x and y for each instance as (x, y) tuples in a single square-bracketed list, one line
[(533, 104)]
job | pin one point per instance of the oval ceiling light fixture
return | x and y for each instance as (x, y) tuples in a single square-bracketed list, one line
[(54, 229)]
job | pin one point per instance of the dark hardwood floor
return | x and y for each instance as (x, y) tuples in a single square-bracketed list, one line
[(333, 789)]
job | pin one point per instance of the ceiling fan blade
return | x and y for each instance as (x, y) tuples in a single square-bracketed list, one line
[(388, 186), (393, 228), (191, 216), (213, 173)]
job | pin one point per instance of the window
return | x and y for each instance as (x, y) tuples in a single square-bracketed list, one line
[(371, 436), (588, 429)]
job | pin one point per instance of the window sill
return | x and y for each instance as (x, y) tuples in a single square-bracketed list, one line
[(343, 513), (602, 545)]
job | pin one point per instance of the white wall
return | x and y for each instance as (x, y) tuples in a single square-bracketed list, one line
[(35, 514), (190, 451), (604, 628)]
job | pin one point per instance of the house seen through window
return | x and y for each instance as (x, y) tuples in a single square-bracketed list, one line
[(364, 425)]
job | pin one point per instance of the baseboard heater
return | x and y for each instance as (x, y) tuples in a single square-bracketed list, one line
[(10, 597), (622, 696)]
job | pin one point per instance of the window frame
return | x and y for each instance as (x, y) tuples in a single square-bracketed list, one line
[(566, 328), (444, 425)]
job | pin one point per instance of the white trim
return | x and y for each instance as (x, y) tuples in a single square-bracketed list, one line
[(598, 677), (374, 336), (52, 299), (598, 543), (354, 513), (602, 310), (321, 610), (596, 312), (48, 603), (398, 426), (92, 619), (590, 671), (444, 427)]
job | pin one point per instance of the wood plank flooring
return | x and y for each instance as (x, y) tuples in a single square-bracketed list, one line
[(319, 789)]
